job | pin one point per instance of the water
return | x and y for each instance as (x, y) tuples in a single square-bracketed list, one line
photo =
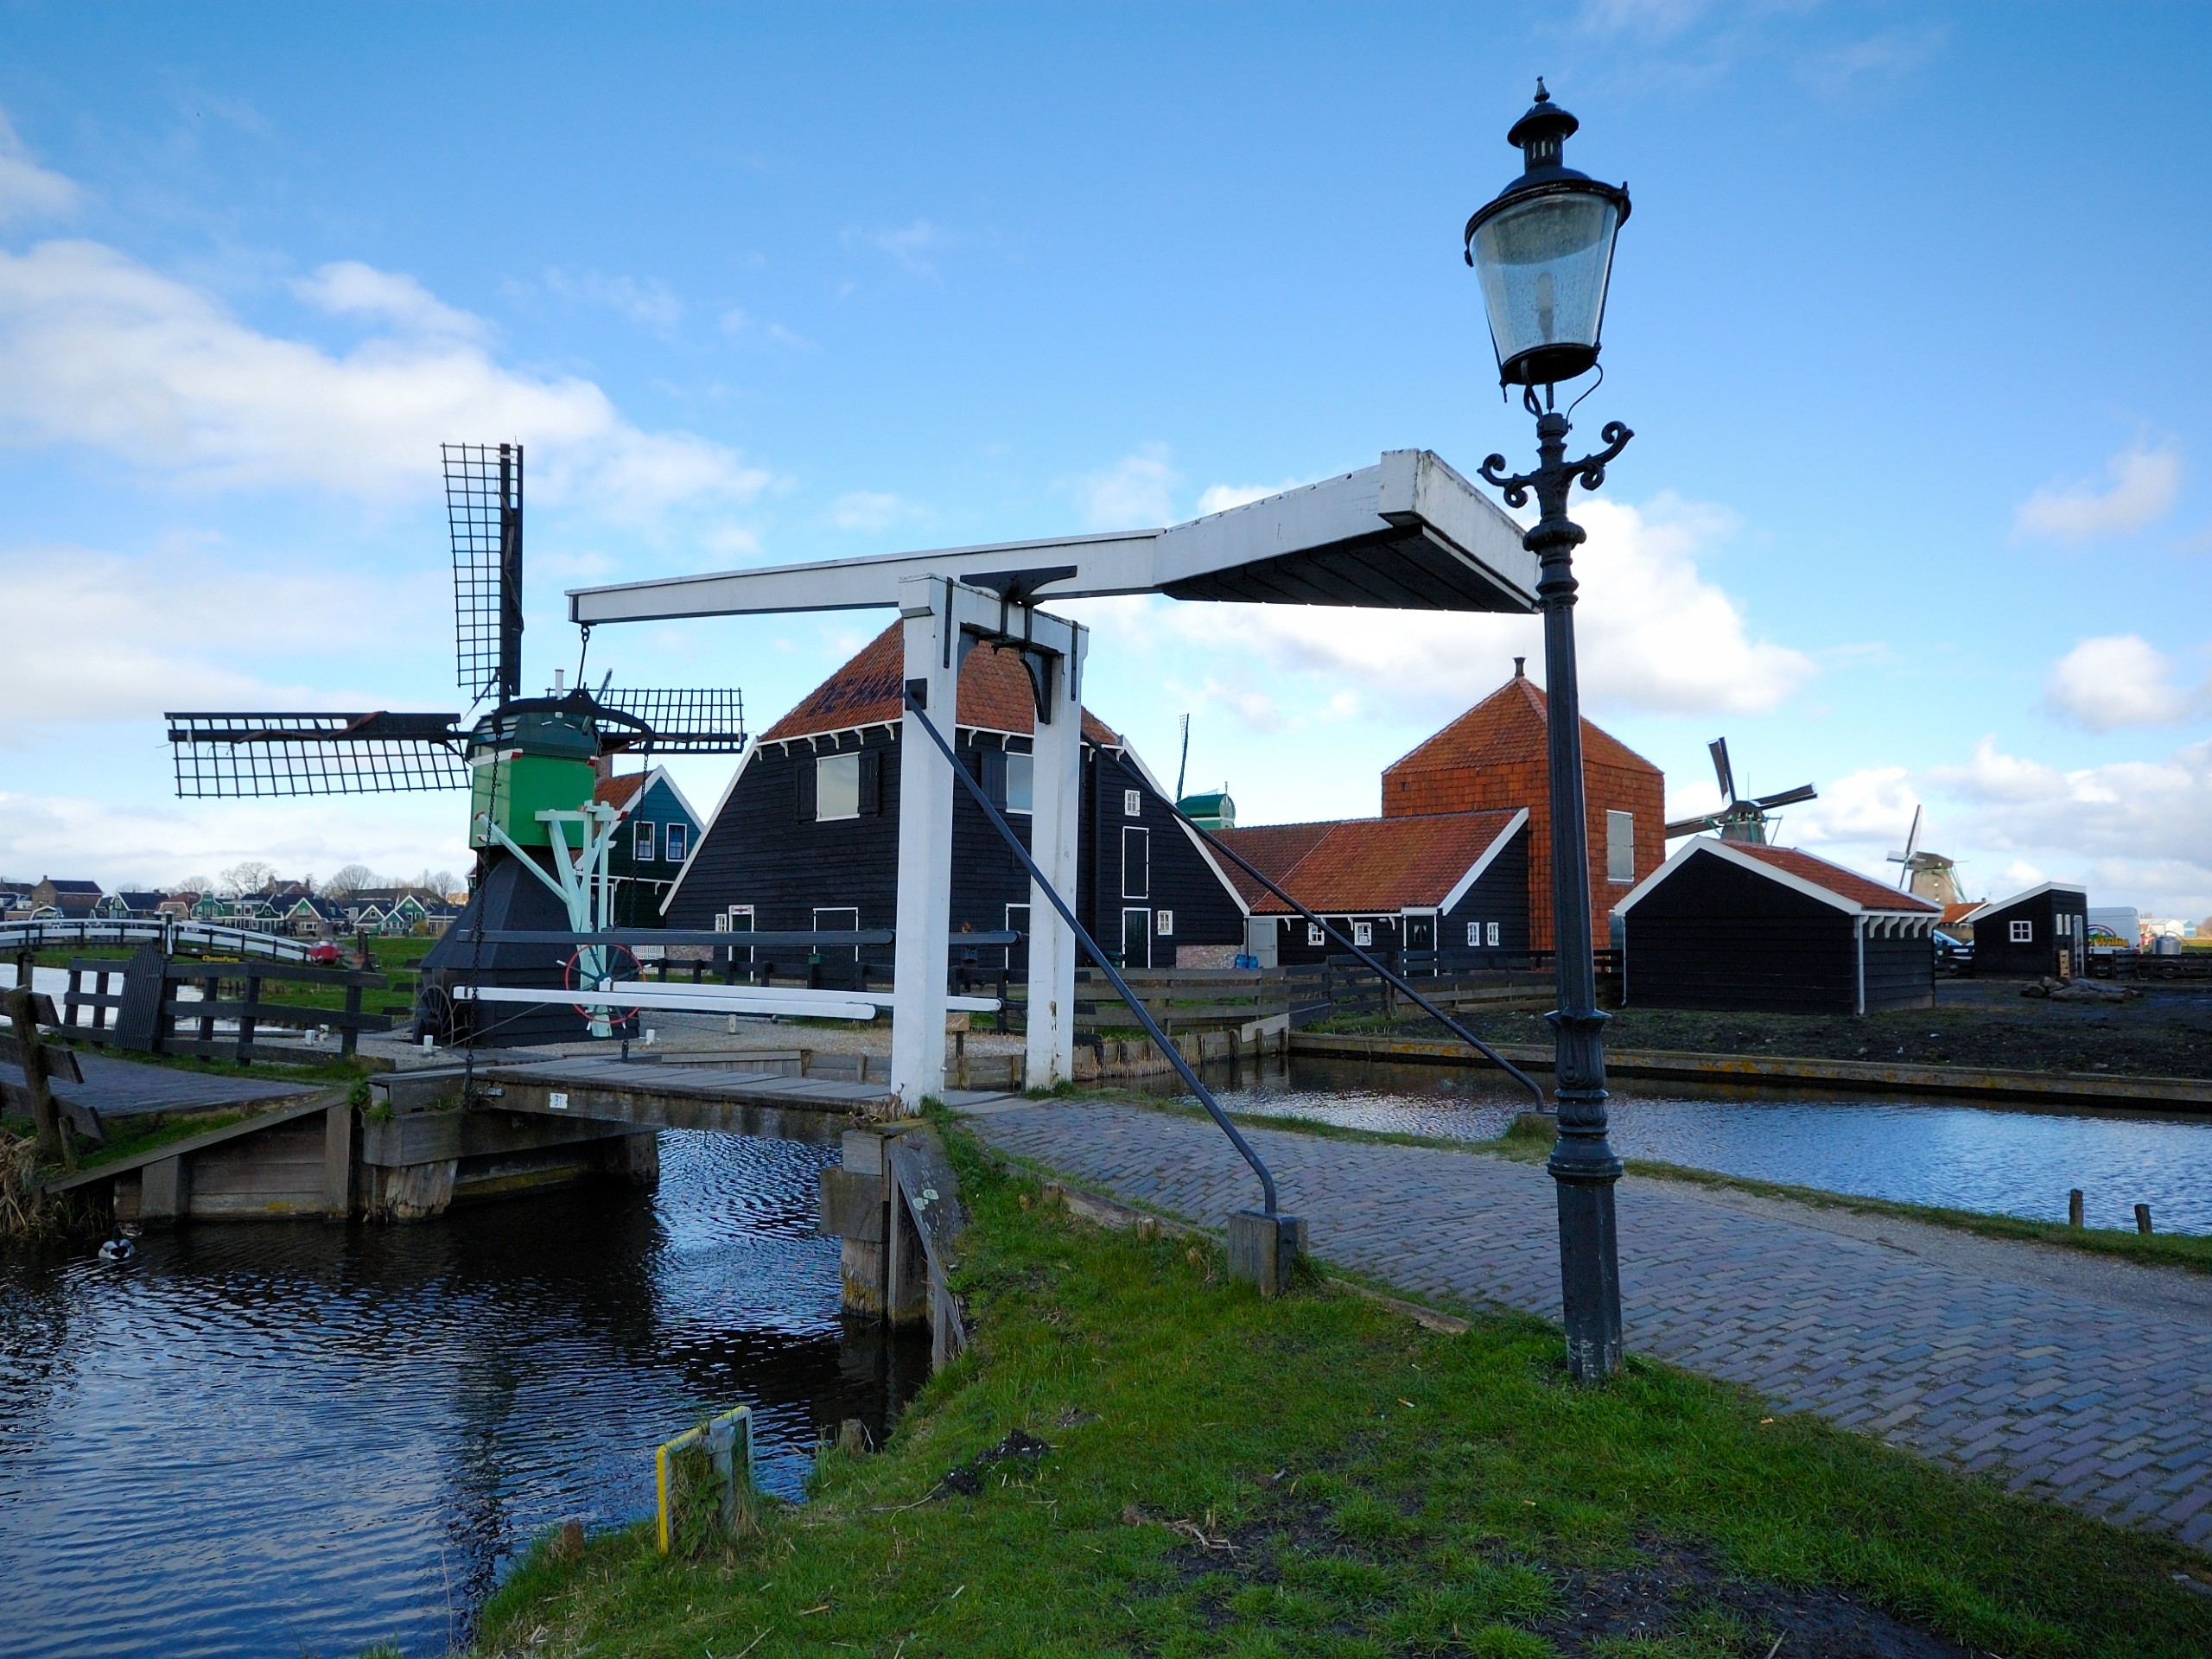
[(2012, 1161), (288, 1437)]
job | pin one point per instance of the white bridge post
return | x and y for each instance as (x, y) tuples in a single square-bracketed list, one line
[(925, 785), (1055, 822)]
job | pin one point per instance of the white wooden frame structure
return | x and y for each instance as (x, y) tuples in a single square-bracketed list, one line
[(1408, 533)]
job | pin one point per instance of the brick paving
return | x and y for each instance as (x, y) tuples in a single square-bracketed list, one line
[(2097, 1402)]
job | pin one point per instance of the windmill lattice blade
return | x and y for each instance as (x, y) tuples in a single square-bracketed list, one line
[(684, 722), (1691, 827), (484, 509), (1719, 749), (1788, 796), (257, 756)]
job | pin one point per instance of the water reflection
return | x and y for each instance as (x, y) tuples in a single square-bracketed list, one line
[(2017, 1161), (279, 1437)]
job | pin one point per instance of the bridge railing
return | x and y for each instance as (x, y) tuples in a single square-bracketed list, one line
[(176, 937)]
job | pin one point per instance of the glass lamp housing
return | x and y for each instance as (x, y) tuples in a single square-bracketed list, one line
[(1543, 251)]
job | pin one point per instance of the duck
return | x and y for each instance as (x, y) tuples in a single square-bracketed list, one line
[(118, 1249)]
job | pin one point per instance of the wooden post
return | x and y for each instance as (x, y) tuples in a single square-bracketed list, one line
[(76, 985), (164, 1190), (2143, 1218), (338, 1161), (248, 1017), (53, 1142), (350, 1031), (2074, 1208), (212, 989)]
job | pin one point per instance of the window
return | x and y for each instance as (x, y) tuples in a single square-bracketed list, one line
[(1163, 923), (837, 787), (1474, 934), (1136, 862), (672, 843), (1620, 845), (1314, 934), (2023, 933), (1496, 929), (1021, 782), (1363, 933), (1132, 804), (642, 848)]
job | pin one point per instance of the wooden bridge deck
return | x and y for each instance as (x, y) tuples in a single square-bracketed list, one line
[(121, 1089)]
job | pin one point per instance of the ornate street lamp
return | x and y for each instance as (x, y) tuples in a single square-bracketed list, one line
[(1543, 249)]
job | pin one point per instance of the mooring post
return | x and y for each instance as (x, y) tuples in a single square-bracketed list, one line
[(2142, 1217), (2074, 1208)]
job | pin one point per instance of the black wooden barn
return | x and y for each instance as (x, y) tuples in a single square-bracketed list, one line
[(2028, 934), (806, 836), (1772, 929), (1451, 882)]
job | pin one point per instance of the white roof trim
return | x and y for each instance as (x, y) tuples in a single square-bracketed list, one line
[(1128, 753), (1995, 905), (1490, 853), (1773, 872)]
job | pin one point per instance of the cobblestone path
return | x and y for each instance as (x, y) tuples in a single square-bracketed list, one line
[(2099, 1402)]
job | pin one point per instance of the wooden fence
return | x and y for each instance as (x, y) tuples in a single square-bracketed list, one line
[(149, 1012)]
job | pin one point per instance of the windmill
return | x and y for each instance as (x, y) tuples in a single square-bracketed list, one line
[(530, 764), (1740, 820), (1926, 875)]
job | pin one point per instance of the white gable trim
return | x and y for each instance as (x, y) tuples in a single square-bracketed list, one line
[(1130, 754), (1996, 905), (706, 826), (1490, 853), (1788, 878)]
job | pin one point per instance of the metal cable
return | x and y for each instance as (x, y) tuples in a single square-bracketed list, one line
[(1336, 933), (1152, 1030)]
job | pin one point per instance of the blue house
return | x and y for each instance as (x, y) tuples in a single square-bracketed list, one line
[(653, 840)]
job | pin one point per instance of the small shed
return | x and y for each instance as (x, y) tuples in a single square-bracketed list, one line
[(2042, 930), (1773, 929)]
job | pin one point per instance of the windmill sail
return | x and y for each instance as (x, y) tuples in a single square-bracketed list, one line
[(683, 722), (484, 510), (1739, 819), (257, 756)]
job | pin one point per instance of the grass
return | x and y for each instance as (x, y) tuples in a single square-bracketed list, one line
[(119, 1147), (1315, 1476)]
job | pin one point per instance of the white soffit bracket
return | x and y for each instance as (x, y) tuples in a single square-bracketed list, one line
[(1408, 533)]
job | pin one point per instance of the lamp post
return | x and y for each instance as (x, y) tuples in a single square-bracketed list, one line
[(1543, 250)]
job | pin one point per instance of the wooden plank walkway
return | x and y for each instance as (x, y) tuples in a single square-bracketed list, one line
[(124, 1089)]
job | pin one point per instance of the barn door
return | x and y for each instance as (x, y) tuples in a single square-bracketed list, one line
[(1136, 938)]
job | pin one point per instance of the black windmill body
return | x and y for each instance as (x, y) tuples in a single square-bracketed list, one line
[(520, 759), (1744, 820)]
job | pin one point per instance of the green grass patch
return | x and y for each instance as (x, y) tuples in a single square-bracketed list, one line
[(121, 1146), (1316, 1476)]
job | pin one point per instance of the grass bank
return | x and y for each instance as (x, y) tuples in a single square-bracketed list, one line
[(1317, 1476)]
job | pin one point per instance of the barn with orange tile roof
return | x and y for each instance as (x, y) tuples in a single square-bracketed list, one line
[(1749, 929), (806, 835)]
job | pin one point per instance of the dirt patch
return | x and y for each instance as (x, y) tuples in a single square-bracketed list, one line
[(966, 1479)]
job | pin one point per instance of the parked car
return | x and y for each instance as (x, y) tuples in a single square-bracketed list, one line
[(1952, 956)]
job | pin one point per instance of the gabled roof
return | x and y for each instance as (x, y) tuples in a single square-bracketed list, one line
[(1995, 905), (1846, 890), (868, 690), (140, 899), (1374, 866), (1506, 726), (625, 792), (60, 887)]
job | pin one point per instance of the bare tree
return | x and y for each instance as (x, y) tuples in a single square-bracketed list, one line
[(350, 880), (249, 875), (200, 884)]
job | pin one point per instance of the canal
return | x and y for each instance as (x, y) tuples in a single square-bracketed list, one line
[(277, 1438)]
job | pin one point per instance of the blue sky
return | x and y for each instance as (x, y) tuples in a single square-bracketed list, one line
[(1908, 321)]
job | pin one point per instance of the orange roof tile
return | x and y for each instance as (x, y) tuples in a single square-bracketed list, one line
[(620, 791), (1275, 847), (1506, 726), (1845, 884), (1370, 866), (994, 695)]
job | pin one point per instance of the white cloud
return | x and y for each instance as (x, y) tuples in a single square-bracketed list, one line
[(2145, 483), (914, 247), (350, 289), (2117, 680), (1653, 634), (1871, 809), (651, 304), (1136, 493), (1220, 497), (868, 510), (27, 190), (98, 350), (749, 330)]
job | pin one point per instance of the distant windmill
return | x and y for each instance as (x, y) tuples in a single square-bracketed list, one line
[(1740, 820), (530, 764), (1927, 876)]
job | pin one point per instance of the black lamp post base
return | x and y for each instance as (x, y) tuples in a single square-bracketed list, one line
[(1590, 1278)]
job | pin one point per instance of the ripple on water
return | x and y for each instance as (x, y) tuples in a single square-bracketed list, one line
[(289, 1438)]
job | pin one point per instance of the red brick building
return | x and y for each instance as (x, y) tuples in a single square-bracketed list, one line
[(1494, 756)]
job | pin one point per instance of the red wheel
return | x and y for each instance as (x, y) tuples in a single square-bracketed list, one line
[(568, 980)]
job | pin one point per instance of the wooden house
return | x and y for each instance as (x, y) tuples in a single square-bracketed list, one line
[(1496, 758), (656, 833), (2042, 930), (806, 835), (1453, 882), (75, 899), (1748, 929)]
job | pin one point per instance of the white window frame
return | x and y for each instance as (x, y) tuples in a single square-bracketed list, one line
[(1316, 934), (1132, 804), (1620, 848), (641, 841), (2022, 931), (1363, 934), (1145, 841), (854, 911), (1496, 933), (1020, 797), (1017, 918), (1474, 936), (675, 842), (843, 770), (1163, 923)]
